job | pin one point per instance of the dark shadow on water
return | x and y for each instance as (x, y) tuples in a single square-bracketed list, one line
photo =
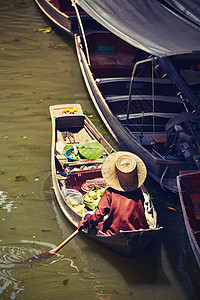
[(141, 269), (174, 240)]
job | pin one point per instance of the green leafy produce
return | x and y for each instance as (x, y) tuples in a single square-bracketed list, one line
[(67, 147), (91, 150), (93, 194), (91, 199)]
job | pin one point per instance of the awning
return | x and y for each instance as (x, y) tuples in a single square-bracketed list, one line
[(159, 27)]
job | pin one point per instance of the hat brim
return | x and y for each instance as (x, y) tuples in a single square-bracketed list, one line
[(109, 172)]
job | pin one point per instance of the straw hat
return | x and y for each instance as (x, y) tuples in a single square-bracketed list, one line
[(124, 171)]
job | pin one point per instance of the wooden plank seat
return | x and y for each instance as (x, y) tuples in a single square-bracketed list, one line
[(167, 99), (159, 141), (123, 117), (102, 81), (121, 85)]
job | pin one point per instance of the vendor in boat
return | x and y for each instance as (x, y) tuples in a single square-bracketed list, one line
[(123, 201)]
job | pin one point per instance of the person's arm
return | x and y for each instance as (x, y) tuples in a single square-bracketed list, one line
[(102, 209)]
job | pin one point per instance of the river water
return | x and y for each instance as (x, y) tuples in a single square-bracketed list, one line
[(39, 68)]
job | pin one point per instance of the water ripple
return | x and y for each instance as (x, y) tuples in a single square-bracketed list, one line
[(10, 286), (4, 203)]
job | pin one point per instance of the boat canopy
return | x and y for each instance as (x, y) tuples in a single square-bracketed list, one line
[(189, 9), (159, 27)]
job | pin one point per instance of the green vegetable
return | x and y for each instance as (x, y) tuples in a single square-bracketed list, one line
[(91, 199), (93, 194), (67, 147), (91, 150)]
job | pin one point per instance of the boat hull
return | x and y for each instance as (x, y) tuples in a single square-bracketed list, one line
[(164, 171)]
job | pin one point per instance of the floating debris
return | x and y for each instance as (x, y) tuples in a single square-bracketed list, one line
[(45, 30), (58, 46), (20, 178), (65, 281)]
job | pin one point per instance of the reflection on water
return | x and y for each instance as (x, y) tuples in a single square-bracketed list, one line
[(10, 286)]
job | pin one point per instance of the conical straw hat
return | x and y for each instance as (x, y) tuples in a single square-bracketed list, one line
[(124, 171)]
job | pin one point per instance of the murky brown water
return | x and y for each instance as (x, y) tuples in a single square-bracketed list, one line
[(40, 69)]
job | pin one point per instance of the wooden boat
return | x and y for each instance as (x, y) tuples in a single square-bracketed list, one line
[(145, 89), (64, 16), (139, 99), (189, 192), (76, 129)]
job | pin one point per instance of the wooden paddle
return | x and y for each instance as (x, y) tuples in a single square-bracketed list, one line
[(45, 255)]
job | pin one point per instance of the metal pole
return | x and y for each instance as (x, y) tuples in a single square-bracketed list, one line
[(132, 79)]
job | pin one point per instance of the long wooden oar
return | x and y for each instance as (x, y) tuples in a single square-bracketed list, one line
[(45, 255)]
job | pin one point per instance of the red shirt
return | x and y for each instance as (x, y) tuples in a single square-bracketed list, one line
[(125, 211)]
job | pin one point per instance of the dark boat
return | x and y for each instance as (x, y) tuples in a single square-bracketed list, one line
[(189, 192), (146, 89), (74, 178), (159, 127), (63, 14)]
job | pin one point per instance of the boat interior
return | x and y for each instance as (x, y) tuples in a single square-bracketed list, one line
[(76, 130), (70, 131), (155, 99), (190, 186)]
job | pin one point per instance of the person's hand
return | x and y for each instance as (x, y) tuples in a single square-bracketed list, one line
[(83, 224)]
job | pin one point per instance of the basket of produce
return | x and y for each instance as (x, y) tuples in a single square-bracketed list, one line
[(91, 199), (72, 154)]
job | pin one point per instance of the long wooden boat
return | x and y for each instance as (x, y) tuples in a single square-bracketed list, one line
[(149, 104), (189, 192), (72, 179), (64, 16)]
